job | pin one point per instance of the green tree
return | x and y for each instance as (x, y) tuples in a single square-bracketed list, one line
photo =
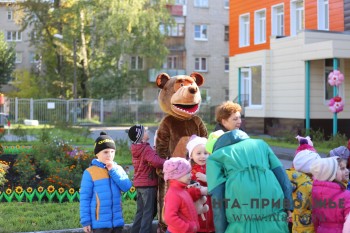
[(130, 30), (25, 79), (7, 60), (106, 34)]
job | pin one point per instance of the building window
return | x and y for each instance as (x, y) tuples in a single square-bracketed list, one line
[(201, 3), (297, 17), (278, 20), (226, 4), (136, 63), (9, 15), (200, 64), (329, 94), (244, 30), (33, 57), (227, 64), (174, 30), (251, 79), (200, 32), (171, 62), (33, 35), (13, 36), (205, 95), (323, 14), (19, 56), (227, 33), (260, 27)]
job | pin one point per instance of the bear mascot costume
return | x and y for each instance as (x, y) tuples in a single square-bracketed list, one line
[(180, 99)]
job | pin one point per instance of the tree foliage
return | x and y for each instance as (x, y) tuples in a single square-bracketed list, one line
[(27, 85), (106, 34), (7, 60)]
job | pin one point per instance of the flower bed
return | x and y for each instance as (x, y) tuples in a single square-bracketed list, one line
[(53, 164)]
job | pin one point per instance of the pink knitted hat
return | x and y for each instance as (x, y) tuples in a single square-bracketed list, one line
[(175, 168)]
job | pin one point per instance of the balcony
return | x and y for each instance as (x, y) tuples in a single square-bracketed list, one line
[(177, 10), (153, 73)]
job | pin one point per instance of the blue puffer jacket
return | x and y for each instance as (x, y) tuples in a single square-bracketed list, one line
[(100, 196)]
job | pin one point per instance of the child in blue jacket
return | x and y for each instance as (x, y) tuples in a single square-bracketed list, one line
[(100, 190)]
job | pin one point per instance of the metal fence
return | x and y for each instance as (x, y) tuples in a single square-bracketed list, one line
[(88, 111)]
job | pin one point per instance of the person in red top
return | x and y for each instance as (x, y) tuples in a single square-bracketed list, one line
[(145, 161), (198, 156), (179, 210)]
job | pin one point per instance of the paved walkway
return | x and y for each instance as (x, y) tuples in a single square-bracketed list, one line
[(287, 153)]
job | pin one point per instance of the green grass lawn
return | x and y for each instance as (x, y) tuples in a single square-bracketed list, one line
[(30, 217)]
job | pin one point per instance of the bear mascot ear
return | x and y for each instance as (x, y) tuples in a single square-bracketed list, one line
[(198, 78), (162, 79)]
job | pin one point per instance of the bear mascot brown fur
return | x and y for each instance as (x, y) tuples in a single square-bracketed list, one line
[(180, 99)]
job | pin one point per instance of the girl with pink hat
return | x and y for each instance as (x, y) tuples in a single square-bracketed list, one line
[(180, 213)]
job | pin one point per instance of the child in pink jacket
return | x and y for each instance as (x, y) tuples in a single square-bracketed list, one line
[(330, 199), (179, 210)]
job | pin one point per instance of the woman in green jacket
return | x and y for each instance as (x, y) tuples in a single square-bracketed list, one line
[(251, 192)]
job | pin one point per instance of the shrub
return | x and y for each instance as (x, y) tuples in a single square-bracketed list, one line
[(54, 162), (336, 141), (3, 170)]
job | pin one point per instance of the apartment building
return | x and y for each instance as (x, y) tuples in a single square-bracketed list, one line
[(199, 42), (25, 54), (207, 47), (281, 53)]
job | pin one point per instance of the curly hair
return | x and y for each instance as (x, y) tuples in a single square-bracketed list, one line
[(225, 110)]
